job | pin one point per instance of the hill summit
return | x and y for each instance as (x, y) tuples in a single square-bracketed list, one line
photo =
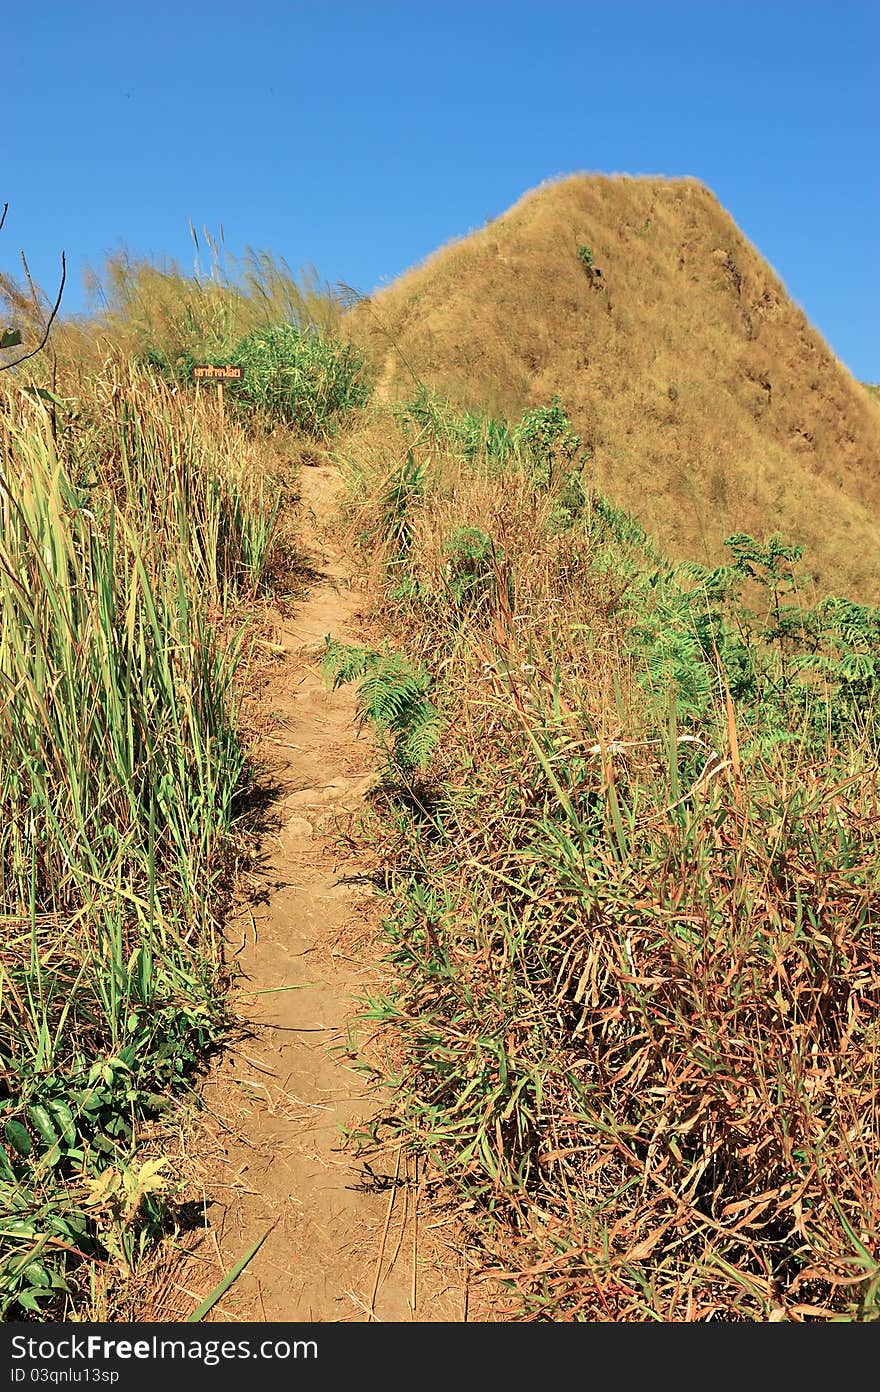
[(710, 404)]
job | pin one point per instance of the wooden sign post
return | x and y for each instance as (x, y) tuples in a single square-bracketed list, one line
[(219, 373)]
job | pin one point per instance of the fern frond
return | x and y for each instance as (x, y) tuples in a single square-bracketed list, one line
[(343, 663), (421, 738), (391, 696)]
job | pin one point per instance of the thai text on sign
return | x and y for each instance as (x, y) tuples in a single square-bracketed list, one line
[(209, 372)]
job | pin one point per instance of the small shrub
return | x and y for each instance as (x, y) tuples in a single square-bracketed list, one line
[(299, 378), (471, 556), (547, 435)]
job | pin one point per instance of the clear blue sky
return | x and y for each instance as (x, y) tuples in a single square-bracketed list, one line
[(359, 137)]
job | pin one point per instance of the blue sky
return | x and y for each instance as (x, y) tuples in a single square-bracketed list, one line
[(358, 137)]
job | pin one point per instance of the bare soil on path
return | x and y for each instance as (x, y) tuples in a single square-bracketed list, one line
[(346, 1240)]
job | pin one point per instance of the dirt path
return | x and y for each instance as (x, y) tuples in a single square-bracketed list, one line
[(282, 1097), (382, 393)]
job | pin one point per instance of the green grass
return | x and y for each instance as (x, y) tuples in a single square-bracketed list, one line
[(299, 378), (141, 528), (119, 767)]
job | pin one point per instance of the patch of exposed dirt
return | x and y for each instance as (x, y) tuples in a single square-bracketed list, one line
[(347, 1240)]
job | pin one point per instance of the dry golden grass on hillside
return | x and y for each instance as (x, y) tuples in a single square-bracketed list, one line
[(710, 403)]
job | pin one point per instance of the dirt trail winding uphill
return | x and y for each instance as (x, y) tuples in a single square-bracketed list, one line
[(282, 1096)]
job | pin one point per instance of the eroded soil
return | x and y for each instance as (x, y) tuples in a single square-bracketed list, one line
[(347, 1240)]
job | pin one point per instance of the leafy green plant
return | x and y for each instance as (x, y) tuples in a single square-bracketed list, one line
[(771, 566), (844, 656), (299, 378), (400, 490), (391, 521), (471, 566), (392, 697), (554, 447)]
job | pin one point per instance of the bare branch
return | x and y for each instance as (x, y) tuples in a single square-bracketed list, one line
[(44, 340)]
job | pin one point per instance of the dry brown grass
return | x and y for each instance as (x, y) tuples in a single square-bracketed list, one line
[(632, 1015), (711, 404)]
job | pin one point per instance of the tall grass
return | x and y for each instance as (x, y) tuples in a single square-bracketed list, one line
[(633, 949), (299, 378), (122, 538), (191, 477), (160, 315), (140, 528)]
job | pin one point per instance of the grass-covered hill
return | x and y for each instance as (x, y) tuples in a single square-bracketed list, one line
[(627, 824), (710, 404)]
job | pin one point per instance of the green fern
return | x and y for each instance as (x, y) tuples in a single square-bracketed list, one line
[(392, 697), (471, 558)]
